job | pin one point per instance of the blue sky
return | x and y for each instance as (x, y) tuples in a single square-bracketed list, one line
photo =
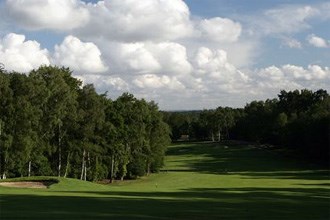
[(188, 54)]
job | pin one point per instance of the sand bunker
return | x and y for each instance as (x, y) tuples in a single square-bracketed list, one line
[(26, 184)]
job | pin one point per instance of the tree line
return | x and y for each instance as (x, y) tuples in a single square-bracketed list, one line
[(52, 125), (296, 120)]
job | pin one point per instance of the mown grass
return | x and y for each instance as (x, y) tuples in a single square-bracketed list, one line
[(199, 181)]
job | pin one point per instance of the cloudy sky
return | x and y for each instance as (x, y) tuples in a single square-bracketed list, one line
[(184, 55)]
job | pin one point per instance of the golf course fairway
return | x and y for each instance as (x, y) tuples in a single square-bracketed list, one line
[(198, 181)]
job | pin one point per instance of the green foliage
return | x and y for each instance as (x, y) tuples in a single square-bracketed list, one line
[(297, 120), (52, 125)]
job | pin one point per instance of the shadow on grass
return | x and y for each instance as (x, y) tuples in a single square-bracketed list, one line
[(200, 203), (246, 160)]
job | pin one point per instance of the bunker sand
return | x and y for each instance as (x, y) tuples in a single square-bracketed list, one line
[(26, 184)]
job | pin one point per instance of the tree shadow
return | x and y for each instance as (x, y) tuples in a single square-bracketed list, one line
[(246, 160), (193, 203)]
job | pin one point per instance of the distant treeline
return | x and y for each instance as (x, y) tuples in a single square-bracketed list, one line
[(52, 125), (297, 120)]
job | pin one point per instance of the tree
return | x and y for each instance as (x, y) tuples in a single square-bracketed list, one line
[(59, 107), (91, 119), (158, 139), (6, 113), (46, 117)]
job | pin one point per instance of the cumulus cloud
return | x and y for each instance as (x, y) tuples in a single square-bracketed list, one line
[(220, 29), (267, 82), (104, 83), (48, 14), (216, 65), (313, 72), (273, 73), (172, 57), (137, 57), (79, 55), (129, 20), (147, 57), (152, 81), (317, 41), (21, 55), (296, 76)]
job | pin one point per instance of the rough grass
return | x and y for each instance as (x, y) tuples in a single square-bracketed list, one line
[(199, 181)]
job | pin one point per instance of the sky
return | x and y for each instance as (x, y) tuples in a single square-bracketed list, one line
[(184, 55)]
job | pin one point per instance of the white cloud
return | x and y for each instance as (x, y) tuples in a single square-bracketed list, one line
[(146, 57), (295, 74), (172, 57), (136, 57), (290, 19), (286, 19), (220, 29), (313, 72), (117, 83), (291, 42), (20, 55), (317, 41), (78, 55), (151, 81), (130, 20), (48, 14), (105, 82), (216, 65), (267, 82), (273, 73)]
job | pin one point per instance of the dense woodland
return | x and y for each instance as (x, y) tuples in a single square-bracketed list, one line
[(298, 121), (52, 125)]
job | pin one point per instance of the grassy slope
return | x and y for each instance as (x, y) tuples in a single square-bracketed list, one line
[(200, 181)]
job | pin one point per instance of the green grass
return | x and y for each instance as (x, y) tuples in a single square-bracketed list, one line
[(199, 181)]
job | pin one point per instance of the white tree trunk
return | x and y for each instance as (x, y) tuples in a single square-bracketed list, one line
[(85, 175), (83, 166), (112, 168), (59, 161), (59, 151), (29, 168)]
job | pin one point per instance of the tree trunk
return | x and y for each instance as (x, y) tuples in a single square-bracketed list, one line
[(59, 151), (89, 165), (148, 168), (67, 165), (85, 175), (59, 161), (112, 166), (219, 135), (4, 167), (29, 174), (89, 160), (212, 136), (83, 166)]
